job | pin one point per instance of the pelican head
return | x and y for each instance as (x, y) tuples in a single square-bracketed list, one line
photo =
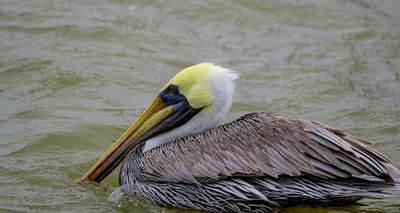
[(195, 99)]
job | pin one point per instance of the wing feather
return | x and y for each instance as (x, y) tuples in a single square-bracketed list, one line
[(262, 144)]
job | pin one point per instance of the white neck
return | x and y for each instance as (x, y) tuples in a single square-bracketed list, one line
[(222, 87)]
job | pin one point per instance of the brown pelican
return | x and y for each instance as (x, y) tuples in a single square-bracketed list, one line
[(176, 155)]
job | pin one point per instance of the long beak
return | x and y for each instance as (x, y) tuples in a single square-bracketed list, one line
[(152, 115)]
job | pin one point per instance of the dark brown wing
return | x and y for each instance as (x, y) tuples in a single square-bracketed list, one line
[(263, 144)]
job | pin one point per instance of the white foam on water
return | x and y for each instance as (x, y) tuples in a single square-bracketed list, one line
[(116, 196)]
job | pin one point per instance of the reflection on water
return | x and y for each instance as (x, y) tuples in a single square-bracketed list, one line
[(74, 75)]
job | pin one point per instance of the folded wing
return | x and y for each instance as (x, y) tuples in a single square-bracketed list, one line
[(263, 144)]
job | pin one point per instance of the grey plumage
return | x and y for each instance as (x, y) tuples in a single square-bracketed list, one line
[(259, 162), (261, 194)]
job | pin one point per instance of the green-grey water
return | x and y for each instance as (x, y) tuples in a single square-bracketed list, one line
[(74, 74)]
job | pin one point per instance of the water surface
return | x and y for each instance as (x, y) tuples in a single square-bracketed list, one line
[(74, 74)]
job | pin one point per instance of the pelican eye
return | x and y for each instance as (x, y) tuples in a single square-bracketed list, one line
[(172, 90), (171, 95)]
